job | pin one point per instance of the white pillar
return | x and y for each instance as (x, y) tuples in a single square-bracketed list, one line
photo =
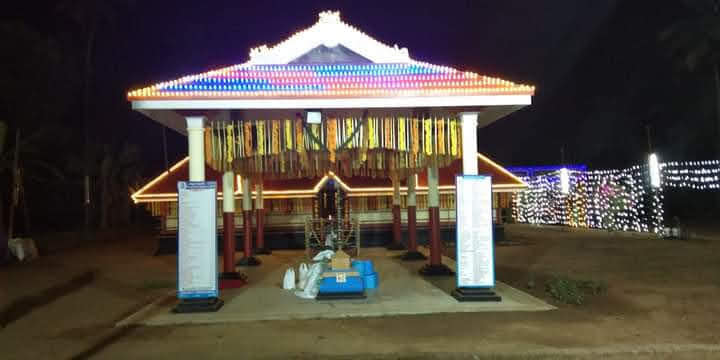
[(396, 191), (469, 143), (259, 196), (433, 192), (196, 147), (228, 192), (247, 194), (411, 183)]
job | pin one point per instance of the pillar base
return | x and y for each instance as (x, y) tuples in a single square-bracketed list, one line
[(475, 294), (413, 256), (263, 251), (395, 246), (232, 280), (436, 270), (249, 261), (198, 305)]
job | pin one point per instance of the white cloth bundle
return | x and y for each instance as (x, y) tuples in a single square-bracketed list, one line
[(303, 273), (289, 279)]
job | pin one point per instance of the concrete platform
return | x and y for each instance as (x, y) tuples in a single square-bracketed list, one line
[(401, 292)]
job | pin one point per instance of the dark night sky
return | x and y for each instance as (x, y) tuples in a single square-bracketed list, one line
[(573, 51)]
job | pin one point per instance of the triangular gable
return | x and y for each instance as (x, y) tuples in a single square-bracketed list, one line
[(331, 55), (164, 186), (329, 31), (502, 179)]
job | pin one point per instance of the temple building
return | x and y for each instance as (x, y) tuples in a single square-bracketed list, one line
[(289, 203), (330, 133)]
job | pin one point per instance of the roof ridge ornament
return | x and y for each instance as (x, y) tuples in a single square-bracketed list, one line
[(328, 16), (330, 31)]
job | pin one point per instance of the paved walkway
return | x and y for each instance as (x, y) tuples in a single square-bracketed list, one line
[(401, 292)]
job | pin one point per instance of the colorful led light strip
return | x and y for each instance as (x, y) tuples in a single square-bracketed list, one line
[(292, 81)]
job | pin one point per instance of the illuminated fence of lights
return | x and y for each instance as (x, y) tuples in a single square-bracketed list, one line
[(696, 175), (620, 200)]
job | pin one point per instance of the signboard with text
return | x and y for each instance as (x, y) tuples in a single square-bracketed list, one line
[(475, 257), (197, 246)]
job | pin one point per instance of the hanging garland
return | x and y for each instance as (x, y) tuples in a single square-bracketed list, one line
[(369, 146)]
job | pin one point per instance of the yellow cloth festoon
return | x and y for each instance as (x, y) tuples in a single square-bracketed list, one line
[(348, 130), (315, 129), (388, 132), (401, 134), (300, 143), (260, 125), (230, 137), (453, 138), (372, 141), (247, 137), (209, 142), (288, 134), (275, 136), (365, 139), (441, 136), (331, 140), (428, 136), (299, 139), (415, 137)]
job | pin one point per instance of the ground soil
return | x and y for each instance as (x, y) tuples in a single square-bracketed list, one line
[(661, 303)]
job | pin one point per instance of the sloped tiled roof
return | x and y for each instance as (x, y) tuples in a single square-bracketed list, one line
[(331, 81)]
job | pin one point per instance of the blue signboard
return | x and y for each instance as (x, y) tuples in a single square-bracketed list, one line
[(474, 231), (197, 248)]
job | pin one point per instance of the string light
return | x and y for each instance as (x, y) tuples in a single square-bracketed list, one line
[(601, 199), (337, 80), (695, 175)]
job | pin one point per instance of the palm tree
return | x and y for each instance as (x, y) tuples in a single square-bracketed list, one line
[(89, 15), (27, 159), (119, 171)]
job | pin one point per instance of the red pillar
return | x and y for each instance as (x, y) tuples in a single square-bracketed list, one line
[(412, 228), (396, 243), (397, 230), (247, 238), (260, 220), (435, 243), (229, 242), (248, 258), (435, 267), (260, 236)]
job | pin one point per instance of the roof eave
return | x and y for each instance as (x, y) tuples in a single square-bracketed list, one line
[(334, 103)]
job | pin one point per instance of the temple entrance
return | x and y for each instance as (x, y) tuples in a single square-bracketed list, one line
[(328, 198), (332, 226)]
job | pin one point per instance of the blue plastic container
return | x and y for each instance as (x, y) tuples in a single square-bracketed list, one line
[(370, 281), (364, 267), (351, 284)]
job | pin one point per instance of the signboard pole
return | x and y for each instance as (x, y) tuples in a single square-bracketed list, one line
[(197, 247), (474, 232)]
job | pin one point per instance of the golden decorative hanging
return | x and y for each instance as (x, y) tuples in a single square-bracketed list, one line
[(370, 146)]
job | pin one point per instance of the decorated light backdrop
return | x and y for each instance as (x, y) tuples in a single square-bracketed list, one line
[(606, 199)]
